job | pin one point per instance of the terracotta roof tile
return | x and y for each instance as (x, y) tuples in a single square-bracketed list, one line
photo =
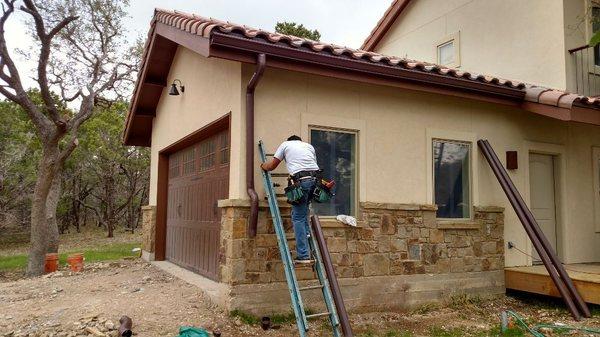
[(202, 26)]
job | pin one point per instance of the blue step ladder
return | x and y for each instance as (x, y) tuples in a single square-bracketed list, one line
[(289, 267)]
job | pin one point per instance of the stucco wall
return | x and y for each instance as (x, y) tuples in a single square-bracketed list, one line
[(212, 90), (395, 127), (514, 39)]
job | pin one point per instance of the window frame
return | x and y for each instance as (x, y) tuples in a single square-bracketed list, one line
[(356, 133), (458, 136), (470, 168), (452, 38)]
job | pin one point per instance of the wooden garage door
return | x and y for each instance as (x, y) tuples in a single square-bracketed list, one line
[(198, 178)]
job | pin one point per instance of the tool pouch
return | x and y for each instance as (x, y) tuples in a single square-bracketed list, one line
[(293, 193), (323, 191)]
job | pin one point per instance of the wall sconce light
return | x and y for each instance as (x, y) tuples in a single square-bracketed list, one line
[(173, 91)]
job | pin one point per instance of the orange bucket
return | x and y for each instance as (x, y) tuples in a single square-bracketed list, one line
[(75, 262), (51, 263)]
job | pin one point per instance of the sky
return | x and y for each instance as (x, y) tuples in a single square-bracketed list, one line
[(343, 22)]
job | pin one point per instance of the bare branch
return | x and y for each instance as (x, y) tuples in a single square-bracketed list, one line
[(46, 43), (12, 77)]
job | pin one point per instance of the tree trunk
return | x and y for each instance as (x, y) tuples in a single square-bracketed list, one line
[(39, 229), (51, 205)]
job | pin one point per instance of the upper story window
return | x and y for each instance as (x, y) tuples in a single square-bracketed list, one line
[(447, 51), (452, 178), (336, 155)]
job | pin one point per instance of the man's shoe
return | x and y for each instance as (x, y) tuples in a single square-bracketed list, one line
[(304, 261)]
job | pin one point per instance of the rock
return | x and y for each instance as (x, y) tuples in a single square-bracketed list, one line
[(109, 325), (94, 332)]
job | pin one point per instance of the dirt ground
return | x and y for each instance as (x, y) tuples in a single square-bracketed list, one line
[(65, 304)]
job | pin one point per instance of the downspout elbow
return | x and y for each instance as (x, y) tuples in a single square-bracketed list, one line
[(258, 72)]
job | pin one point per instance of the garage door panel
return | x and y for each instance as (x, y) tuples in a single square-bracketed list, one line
[(198, 178)]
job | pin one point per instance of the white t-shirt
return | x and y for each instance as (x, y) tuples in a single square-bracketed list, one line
[(298, 156)]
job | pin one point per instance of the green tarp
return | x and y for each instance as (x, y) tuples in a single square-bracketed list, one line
[(190, 331)]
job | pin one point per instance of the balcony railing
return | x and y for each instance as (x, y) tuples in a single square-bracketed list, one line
[(587, 70)]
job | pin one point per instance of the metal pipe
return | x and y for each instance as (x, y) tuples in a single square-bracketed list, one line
[(542, 238), (258, 72), (509, 188), (333, 283)]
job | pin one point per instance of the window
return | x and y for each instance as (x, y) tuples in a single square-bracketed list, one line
[(596, 181), (336, 155), (451, 178), (189, 161), (224, 148), (207, 154), (595, 28), (174, 166), (446, 53)]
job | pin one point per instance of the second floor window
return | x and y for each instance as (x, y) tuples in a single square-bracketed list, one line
[(446, 54)]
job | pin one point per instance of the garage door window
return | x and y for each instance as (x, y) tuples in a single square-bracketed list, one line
[(224, 148), (174, 166), (207, 154), (189, 160)]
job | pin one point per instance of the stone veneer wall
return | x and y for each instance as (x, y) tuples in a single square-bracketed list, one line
[(148, 230), (394, 244)]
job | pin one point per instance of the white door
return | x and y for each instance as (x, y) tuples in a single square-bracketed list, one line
[(542, 196)]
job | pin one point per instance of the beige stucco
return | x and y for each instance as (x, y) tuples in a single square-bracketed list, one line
[(394, 130), (513, 39), (212, 90)]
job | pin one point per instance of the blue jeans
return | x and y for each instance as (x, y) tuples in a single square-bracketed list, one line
[(300, 218)]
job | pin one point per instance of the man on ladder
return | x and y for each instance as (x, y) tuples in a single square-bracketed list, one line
[(301, 163)]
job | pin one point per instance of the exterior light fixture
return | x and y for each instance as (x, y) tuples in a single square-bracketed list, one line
[(174, 91)]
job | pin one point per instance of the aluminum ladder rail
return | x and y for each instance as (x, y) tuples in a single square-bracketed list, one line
[(553, 265), (289, 267)]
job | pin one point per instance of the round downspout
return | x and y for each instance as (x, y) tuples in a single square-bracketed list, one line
[(258, 72)]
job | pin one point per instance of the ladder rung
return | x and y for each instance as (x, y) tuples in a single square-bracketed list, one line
[(269, 154), (317, 315), (290, 237), (319, 286), (279, 175)]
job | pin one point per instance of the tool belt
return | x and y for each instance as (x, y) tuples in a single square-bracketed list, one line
[(323, 189), (305, 174)]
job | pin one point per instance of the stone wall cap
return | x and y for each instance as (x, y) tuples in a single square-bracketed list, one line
[(449, 224), (401, 207), (223, 203), (489, 209)]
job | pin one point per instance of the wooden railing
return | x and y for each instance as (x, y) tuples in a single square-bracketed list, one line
[(587, 70)]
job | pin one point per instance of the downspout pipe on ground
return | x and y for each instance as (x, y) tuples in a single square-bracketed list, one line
[(261, 61)]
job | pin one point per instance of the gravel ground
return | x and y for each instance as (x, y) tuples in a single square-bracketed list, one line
[(90, 303)]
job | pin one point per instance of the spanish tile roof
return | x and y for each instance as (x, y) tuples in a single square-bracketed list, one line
[(202, 26), (559, 98)]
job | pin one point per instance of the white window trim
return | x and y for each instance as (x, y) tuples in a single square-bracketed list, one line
[(357, 126), (457, 136), (596, 177), (455, 37)]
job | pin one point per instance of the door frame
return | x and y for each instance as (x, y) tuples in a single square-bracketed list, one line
[(214, 127), (558, 151)]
